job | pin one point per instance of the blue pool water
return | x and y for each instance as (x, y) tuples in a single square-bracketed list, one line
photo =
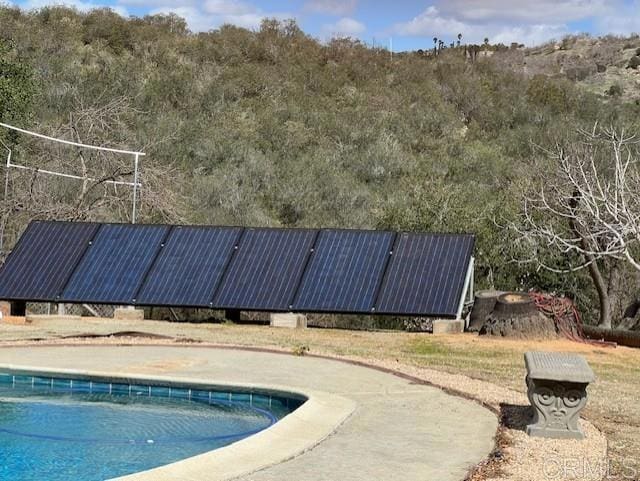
[(62, 429)]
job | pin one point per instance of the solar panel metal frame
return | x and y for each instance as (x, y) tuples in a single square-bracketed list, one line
[(455, 295), (298, 306), (241, 265)]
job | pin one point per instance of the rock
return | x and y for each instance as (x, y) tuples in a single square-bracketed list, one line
[(447, 326), (290, 320), (128, 314), (634, 63)]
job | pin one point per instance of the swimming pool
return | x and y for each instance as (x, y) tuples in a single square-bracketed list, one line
[(59, 429)]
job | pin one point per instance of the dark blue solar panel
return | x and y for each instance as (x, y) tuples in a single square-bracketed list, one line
[(115, 264), (426, 275), (43, 260), (348, 271), (189, 266), (266, 269), (344, 272)]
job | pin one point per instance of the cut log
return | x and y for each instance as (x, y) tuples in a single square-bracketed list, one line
[(483, 306), (515, 315)]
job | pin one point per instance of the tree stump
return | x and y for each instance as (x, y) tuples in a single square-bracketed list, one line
[(515, 315), (483, 305)]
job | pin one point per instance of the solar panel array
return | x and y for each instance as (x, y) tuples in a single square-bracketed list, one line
[(299, 270)]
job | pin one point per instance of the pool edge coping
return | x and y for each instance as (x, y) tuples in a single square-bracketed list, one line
[(301, 430)]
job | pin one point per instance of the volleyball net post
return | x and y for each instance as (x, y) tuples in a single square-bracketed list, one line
[(136, 185)]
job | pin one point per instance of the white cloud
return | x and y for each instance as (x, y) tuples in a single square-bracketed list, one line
[(524, 12), (332, 7), (430, 22), (204, 16), (623, 21), (527, 34), (345, 27), (77, 4), (228, 7), (158, 3), (435, 23), (199, 15)]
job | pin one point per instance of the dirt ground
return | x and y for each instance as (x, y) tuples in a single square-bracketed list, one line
[(613, 398)]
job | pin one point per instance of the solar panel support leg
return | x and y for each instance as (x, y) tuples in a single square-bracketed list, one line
[(468, 283), (62, 310), (19, 308), (232, 315)]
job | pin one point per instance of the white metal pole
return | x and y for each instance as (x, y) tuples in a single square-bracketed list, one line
[(135, 184), (472, 291), (6, 193), (69, 142), (467, 281), (6, 177), (135, 187)]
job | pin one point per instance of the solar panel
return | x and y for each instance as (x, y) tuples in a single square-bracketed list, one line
[(115, 265), (426, 275), (43, 260), (339, 271), (266, 269), (344, 272), (189, 266)]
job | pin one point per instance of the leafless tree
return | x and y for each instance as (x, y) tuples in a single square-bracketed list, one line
[(587, 208), (32, 195)]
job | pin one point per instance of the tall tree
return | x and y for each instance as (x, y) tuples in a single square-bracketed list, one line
[(588, 210)]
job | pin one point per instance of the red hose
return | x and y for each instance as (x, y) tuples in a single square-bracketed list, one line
[(565, 315)]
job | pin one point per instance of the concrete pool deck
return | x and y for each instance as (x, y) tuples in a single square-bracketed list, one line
[(360, 423)]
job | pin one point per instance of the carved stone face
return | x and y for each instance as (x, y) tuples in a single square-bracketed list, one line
[(557, 405)]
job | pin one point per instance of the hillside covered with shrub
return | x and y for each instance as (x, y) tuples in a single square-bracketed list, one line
[(273, 128)]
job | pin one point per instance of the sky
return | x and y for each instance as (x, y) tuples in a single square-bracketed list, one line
[(400, 24)]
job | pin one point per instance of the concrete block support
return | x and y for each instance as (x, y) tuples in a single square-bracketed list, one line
[(448, 326), (128, 314), (290, 320), (13, 312), (5, 309), (557, 389)]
